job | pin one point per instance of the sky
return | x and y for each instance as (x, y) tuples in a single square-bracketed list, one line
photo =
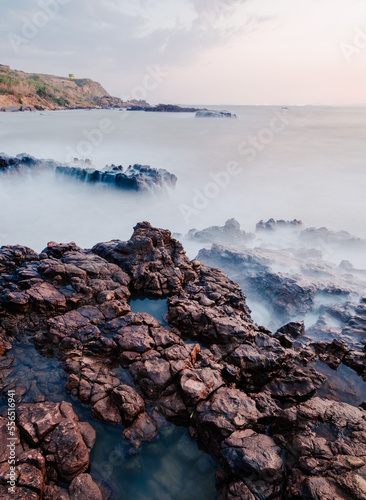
[(245, 52)]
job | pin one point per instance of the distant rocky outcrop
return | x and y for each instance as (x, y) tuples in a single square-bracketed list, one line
[(248, 394), (205, 113), (134, 177), (273, 224), (230, 233), (163, 108)]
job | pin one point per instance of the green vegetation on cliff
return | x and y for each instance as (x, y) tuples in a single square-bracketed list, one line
[(52, 92)]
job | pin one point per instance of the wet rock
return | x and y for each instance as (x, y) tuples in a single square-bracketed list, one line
[(155, 261), (241, 391), (54, 492), (84, 488), (58, 450), (236, 490), (298, 384), (143, 429), (256, 458), (325, 440), (128, 401), (258, 365), (199, 384), (134, 178), (295, 329), (106, 410), (227, 410), (135, 339), (44, 424), (331, 353)]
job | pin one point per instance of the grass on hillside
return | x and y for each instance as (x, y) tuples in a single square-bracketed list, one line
[(18, 84)]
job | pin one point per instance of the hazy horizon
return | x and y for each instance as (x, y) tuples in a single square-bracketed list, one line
[(240, 52)]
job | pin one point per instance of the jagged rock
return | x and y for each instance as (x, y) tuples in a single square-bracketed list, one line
[(229, 233), (295, 329), (272, 224), (237, 490), (199, 384), (128, 401), (326, 453), (84, 488), (143, 429), (224, 412), (241, 383), (135, 178), (57, 439), (256, 458)]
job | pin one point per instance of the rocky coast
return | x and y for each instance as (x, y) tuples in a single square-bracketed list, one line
[(255, 398), (133, 178)]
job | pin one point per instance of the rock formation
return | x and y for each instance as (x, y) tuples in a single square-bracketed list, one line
[(134, 178), (244, 391)]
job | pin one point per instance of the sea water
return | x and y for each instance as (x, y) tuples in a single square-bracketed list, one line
[(303, 162)]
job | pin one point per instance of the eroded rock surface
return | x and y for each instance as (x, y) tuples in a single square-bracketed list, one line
[(249, 394), (51, 445)]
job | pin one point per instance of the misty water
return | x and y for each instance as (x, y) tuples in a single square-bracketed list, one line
[(309, 166)]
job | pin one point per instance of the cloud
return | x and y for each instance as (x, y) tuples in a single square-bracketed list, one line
[(124, 34)]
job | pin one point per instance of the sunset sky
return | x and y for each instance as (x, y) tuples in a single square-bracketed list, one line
[(203, 51)]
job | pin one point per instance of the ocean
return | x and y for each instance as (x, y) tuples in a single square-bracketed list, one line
[(302, 162)]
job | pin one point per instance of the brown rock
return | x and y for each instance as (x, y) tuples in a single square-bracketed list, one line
[(249, 453), (128, 401), (106, 410), (84, 488), (143, 429), (226, 411), (199, 384)]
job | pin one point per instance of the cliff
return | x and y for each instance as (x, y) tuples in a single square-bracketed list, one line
[(52, 92)]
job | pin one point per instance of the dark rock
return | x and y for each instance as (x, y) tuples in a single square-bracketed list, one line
[(295, 329), (214, 114), (229, 233), (199, 384), (272, 225), (128, 401), (135, 178), (227, 410), (84, 488), (143, 429), (256, 458), (163, 108)]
